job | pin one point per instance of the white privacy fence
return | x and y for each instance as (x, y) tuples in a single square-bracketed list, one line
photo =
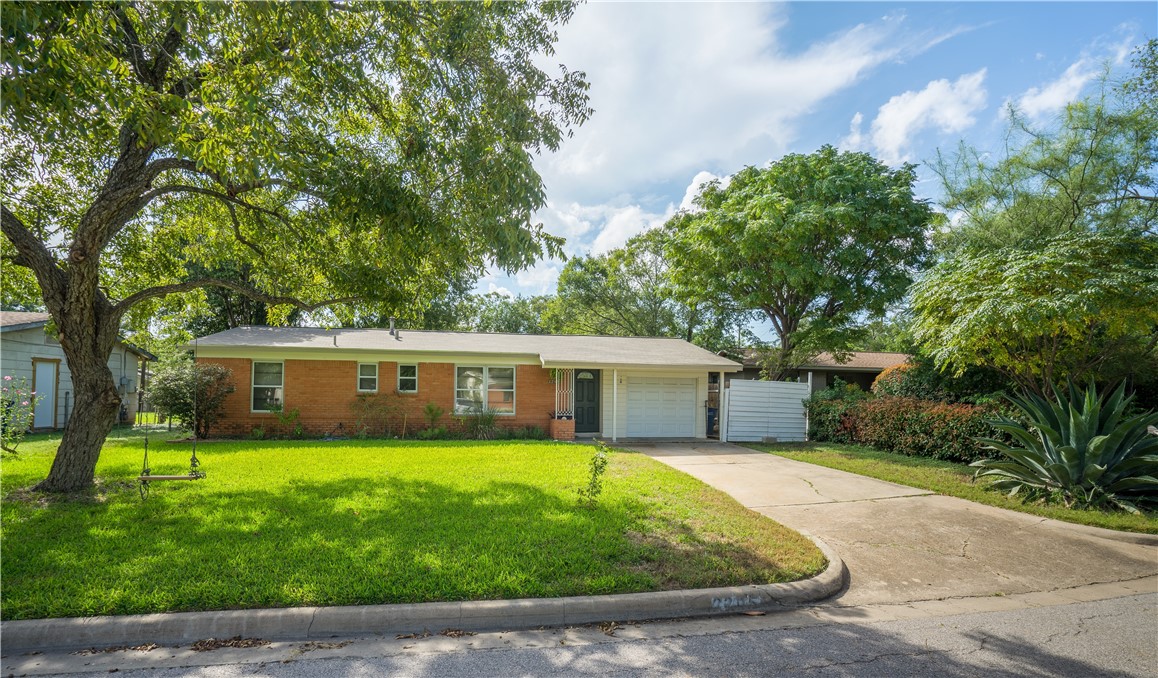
[(756, 410)]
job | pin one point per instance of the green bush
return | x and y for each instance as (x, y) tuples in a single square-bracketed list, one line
[(1084, 450), (920, 378), (435, 433), (480, 423), (912, 426), (827, 409), (172, 393), (920, 428)]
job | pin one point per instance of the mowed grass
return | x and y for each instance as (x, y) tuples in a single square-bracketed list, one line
[(943, 477), (362, 522)]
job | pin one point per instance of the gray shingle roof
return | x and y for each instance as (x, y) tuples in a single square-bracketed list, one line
[(22, 319), (552, 350), (858, 360)]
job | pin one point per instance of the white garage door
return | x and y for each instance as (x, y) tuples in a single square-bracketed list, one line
[(661, 407)]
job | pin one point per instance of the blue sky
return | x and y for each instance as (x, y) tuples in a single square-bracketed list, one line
[(684, 92)]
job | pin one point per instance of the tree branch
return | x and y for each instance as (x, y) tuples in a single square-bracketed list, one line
[(134, 52), (224, 197), (31, 253), (253, 293)]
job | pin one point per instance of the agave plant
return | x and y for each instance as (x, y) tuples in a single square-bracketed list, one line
[(1084, 449)]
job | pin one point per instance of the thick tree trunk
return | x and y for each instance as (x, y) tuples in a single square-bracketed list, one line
[(88, 329), (97, 406)]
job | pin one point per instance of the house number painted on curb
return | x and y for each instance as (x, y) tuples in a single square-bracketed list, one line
[(728, 603)]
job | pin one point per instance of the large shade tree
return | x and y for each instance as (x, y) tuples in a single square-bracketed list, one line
[(815, 243), (337, 151)]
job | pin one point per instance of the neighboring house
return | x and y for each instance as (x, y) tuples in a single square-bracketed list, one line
[(861, 368), (612, 387), (28, 350)]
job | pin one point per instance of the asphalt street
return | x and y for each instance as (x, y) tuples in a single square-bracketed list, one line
[(1114, 637)]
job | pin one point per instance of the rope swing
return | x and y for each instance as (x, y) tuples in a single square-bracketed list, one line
[(147, 476)]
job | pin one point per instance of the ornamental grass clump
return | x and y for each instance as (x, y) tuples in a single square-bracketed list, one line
[(1084, 450)]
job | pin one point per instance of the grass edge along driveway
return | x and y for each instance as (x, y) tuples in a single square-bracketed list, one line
[(282, 524), (947, 478)]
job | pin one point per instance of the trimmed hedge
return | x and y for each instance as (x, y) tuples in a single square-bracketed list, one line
[(919, 428)]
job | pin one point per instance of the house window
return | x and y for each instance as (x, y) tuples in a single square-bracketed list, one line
[(408, 378), (485, 387), (367, 377), (268, 386)]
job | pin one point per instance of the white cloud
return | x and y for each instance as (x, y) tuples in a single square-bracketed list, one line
[(540, 278), (1044, 100), (623, 223), (941, 105), (1053, 96), (855, 140), (677, 87), (693, 190), (492, 288)]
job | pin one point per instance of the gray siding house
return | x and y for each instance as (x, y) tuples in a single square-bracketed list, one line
[(27, 350)]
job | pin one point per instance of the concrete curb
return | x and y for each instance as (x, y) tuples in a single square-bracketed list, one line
[(307, 623), (1103, 532)]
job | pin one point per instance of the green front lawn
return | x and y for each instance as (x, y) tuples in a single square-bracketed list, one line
[(943, 477), (357, 522)]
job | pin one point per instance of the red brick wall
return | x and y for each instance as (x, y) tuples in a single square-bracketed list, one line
[(323, 392)]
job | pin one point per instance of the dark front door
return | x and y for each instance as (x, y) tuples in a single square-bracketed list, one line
[(587, 401)]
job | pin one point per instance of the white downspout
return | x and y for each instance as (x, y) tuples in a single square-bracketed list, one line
[(615, 405), (722, 415)]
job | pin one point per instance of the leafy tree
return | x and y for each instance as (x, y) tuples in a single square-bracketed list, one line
[(1045, 312), (1094, 171), (813, 242), (630, 291), (496, 312), (192, 393), (341, 151), (1049, 270)]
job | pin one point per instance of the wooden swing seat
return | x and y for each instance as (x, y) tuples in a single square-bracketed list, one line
[(149, 479)]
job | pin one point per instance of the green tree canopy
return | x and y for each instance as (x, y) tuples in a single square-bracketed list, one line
[(340, 151), (1043, 313), (813, 242), (630, 291), (1049, 271)]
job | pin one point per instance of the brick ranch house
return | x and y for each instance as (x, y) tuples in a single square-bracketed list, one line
[(611, 387)]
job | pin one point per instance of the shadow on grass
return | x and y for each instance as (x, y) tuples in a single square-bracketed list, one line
[(339, 542)]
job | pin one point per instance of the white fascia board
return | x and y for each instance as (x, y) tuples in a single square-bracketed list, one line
[(590, 364)]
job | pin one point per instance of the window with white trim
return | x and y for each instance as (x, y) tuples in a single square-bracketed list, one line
[(268, 386), (367, 377), (482, 387), (408, 378)]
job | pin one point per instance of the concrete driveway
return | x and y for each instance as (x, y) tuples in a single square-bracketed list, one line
[(901, 544)]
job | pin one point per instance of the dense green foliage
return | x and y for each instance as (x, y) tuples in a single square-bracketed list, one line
[(191, 393), (905, 425), (950, 479), (1050, 270), (814, 243), (344, 523), (919, 378), (1086, 450), (1046, 311), (631, 291)]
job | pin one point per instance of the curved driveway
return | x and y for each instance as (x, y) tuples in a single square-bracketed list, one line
[(902, 544)]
